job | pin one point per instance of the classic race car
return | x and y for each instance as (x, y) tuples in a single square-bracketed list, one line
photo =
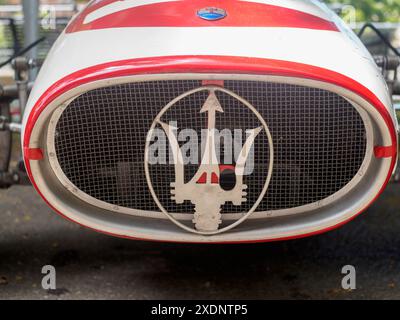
[(209, 121)]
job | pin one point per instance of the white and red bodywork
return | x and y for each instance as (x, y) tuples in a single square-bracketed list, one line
[(294, 41)]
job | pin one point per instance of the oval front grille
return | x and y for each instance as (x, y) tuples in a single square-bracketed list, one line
[(319, 142)]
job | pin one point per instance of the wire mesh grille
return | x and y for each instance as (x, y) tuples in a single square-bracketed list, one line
[(319, 141)]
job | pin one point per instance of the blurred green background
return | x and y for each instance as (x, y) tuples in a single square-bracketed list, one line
[(374, 11)]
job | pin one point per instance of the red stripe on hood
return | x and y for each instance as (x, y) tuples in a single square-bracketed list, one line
[(184, 14)]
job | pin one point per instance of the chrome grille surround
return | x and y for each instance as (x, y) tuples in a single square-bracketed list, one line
[(272, 99)]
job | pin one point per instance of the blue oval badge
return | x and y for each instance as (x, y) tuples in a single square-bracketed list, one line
[(211, 14)]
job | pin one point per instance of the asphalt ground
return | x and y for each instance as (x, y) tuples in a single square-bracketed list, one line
[(90, 265)]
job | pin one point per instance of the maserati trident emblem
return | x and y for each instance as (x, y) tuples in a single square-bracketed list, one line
[(205, 190), (212, 14)]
